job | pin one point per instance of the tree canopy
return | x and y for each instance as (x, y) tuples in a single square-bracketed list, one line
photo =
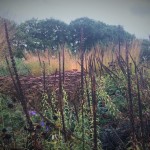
[(145, 51), (36, 34)]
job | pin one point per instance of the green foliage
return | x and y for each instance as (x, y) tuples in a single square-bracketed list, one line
[(3, 69), (117, 92), (104, 97), (19, 53), (145, 51), (111, 107), (41, 34), (89, 33), (50, 33), (12, 120), (71, 123), (11, 113), (21, 67)]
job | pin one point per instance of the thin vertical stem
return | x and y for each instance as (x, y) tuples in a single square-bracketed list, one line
[(19, 91), (119, 43), (49, 61), (130, 94), (60, 99), (140, 113), (11, 74), (63, 63), (44, 83), (82, 85), (39, 58), (94, 104), (139, 105), (87, 91)]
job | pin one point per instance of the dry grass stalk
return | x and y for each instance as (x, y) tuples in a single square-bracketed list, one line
[(130, 95), (61, 100), (18, 83)]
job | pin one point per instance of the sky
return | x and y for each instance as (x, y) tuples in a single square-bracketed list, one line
[(133, 15)]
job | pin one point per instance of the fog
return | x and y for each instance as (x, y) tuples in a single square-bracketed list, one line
[(133, 15)]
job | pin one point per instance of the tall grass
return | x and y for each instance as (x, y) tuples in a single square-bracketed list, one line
[(110, 52), (32, 61), (72, 61)]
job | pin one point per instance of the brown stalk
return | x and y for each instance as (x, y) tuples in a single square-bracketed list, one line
[(80, 66), (122, 67), (86, 82), (87, 91), (63, 62), (76, 111), (60, 100), (130, 94), (50, 101), (94, 105), (18, 83), (139, 104), (49, 61), (94, 59), (99, 64), (108, 71), (11, 74), (55, 78), (39, 58), (102, 55), (90, 66), (119, 42), (82, 85), (86, 63), (44, 81)]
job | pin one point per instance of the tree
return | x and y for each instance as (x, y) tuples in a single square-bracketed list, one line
[(51, 33), (42, 34), (145, 51), (89, 33), (27, 35)]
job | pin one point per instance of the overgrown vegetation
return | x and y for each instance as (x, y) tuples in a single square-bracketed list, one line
[(102, 104)]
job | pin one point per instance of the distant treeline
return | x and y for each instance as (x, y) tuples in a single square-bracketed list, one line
[(51, 33)]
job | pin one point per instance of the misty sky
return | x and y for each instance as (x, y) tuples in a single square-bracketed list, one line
[(133, 15)]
